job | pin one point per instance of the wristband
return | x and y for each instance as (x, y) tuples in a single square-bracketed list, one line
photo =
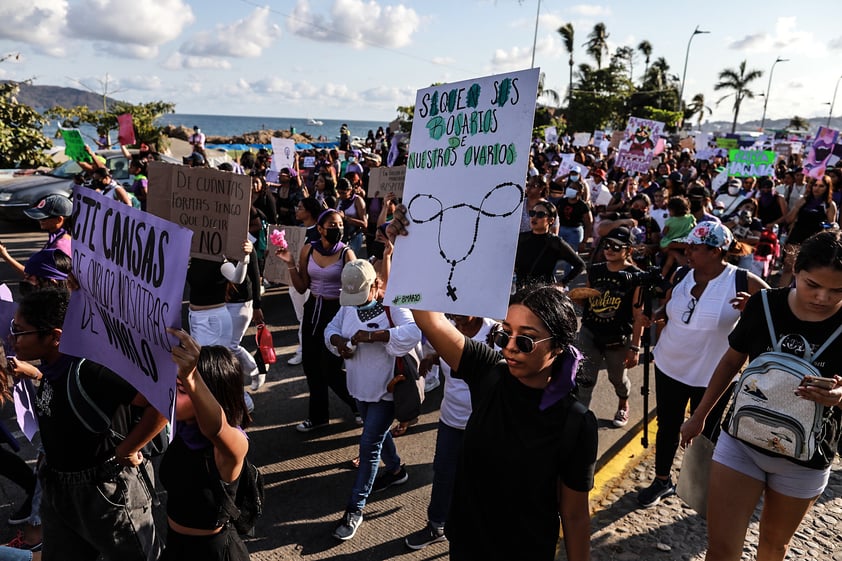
[(634, 348)]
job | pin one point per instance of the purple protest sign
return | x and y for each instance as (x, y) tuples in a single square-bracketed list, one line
[(131, 267), (820, 152)]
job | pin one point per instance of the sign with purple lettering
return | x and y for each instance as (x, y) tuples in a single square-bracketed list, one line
[(463, 192), (214, 204), (638, 145), (131, 267)]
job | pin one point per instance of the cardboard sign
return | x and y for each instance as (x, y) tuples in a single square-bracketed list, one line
[(131, 267), (751, 163), (581, 139), (126, 134), (689, 143), (639, 145), (213, 204), (616, 138), (275, 269), (74, 146), (464, 193), (386, 180)]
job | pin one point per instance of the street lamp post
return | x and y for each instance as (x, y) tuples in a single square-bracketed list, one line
[(535, 37), (833, 102), (766, 99), (696, 31)]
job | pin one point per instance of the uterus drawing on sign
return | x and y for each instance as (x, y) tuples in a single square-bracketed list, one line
[(501, 201)]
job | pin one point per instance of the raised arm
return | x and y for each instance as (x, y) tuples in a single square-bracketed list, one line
[(442, 336)]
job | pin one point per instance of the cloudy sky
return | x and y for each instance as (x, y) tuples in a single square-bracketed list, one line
[(359, 59)]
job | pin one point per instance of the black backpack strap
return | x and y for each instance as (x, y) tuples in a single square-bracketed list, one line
[(229, 507), (92, 417), (679, 274)]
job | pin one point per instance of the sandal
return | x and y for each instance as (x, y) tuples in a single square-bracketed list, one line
[(401, 428), (355, 463)]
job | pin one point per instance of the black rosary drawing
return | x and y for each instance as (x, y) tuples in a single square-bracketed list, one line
[(502, 201)]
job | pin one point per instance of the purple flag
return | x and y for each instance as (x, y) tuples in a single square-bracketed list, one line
[(131, 267)]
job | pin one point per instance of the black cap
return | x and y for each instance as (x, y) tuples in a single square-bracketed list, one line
[(621, 235)]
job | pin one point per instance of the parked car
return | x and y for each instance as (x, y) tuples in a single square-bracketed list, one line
[(21, 192)]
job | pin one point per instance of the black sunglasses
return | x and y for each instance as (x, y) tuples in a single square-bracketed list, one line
[(615, 246), (538, 214), (524, 343), (688, 313)]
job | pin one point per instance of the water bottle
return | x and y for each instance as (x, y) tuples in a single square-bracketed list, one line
[(265, 344)]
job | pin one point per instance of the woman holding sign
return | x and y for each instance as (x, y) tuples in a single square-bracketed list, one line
[(319, 269), (528, 437)]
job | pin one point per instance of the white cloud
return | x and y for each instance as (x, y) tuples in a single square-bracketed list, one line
[(177, 61), (382, 94), (35, 22), (786, 39), (518, 58), (443, 60), (356, 22), (590, 10), (302, 91), (836, 43), (142, 83), (243, 38), (126, 50), (130, 24)]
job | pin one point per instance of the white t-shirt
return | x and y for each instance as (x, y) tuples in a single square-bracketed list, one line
[(456, 405), (660, 216)]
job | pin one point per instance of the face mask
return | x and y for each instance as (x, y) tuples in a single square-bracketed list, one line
[(333, 235), (367, 305), (636, 213), (376, 248), (574, 177), (695, 205), (571, 193), (733, 190)]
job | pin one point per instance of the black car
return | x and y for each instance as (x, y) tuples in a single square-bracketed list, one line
[(22, 192)]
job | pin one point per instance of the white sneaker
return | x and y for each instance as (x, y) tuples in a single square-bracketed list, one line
[(295, 360), (257, 380)]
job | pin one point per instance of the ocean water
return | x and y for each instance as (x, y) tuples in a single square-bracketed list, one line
[(229, 125)]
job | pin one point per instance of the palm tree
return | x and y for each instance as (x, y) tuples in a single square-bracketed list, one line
[(645, 48), (657, 73), (738, 81), (799, 123), (552, 95), (626, 54), (597, 43), (697, 107), (566, 32)]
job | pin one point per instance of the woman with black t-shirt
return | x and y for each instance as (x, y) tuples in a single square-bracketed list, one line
[(741, 473), (538, 251), (574, 217), (517, 471)]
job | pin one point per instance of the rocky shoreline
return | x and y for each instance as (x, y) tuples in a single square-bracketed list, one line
[(255, 137)]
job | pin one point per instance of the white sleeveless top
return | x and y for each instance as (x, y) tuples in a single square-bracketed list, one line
[(689, 352)]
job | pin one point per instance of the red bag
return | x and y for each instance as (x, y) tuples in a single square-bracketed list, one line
[(265, 344)]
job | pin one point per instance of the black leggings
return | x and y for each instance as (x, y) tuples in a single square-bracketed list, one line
[(322, 368), (224, 546), (673, 397)]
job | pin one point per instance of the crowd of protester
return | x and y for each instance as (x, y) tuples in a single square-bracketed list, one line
[(516, 445)]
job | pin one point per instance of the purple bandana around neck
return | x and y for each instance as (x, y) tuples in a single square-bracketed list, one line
[(563, 378), (317, 246)]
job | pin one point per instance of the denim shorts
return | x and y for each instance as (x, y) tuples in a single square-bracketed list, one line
[(780, 474)]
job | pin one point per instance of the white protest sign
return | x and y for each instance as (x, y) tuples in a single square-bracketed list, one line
[(581, 139), (276, 270), (702, 140), (551, 135), (309, 161), (604, 144), (598, 136), (718, 181), (283, 154), (464, 192)]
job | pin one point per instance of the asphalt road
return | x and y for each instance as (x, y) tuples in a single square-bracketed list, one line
[(309, 477)]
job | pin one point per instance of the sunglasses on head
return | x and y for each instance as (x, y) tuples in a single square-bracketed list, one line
[(524, 343), (615, 246), (538, 214)]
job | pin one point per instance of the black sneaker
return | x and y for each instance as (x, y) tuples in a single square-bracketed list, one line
[(22, 514), (429, 535), (348, 526), (387, 479), (659, 489)]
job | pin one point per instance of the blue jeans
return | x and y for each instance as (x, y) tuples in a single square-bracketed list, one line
[(573, 235), (375, 442), (448, 446)]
